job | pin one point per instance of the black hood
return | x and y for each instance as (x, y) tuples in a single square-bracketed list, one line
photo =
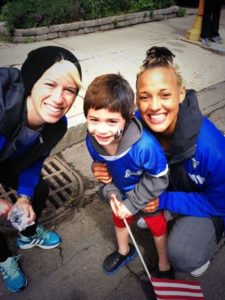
[(189, 122), (12, 101)]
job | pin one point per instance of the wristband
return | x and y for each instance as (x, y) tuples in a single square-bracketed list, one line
[(24, 196)]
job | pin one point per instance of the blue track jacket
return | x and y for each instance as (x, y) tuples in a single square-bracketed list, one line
[(200, 147)]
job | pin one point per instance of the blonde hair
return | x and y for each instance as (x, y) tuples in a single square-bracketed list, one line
[(69, 69)]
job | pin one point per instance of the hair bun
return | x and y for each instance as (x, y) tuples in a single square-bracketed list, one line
[(160, 56)]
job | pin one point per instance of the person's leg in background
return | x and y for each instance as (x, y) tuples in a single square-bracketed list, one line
[(206, 23), (215, 22)]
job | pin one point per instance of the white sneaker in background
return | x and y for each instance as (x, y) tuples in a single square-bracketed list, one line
[(141, 224), (198, 272)]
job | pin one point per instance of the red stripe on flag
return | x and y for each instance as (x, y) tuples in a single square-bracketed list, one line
[(166, 289)]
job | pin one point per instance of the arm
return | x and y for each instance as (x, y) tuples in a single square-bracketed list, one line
[(29, 178), (113, 195), (101, 172), (28, 181), (210, 200), (148, 188), (197, 204)]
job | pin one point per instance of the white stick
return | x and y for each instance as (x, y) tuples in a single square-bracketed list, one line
[(138, 251)]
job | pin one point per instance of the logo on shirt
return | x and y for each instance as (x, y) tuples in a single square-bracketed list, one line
[(195, 163), (129, 173)]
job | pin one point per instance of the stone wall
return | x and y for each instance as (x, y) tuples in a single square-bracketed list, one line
[(83, 27)]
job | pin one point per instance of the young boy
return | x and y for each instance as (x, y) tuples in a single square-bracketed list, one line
[(135, 161)]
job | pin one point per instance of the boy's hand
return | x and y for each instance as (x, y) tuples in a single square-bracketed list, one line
[(152, 206), (119, 208), (101, 172), (5, 207), (123, 212), (27, 207), (115, 203)]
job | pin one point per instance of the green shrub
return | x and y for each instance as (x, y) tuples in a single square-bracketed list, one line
[(37, 13), (102, 8), (181, 12)]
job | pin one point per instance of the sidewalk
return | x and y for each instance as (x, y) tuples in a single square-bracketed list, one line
[(73, 270), (123, 50)]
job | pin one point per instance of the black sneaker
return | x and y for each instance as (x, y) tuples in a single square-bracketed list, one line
[(165, 274), (116, 261)]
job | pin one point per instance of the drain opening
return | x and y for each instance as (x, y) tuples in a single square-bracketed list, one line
[(65, 189)]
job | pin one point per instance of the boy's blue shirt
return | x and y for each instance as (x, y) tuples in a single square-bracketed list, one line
[(141, 158)]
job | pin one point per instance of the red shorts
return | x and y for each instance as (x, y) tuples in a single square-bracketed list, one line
[(157, 225)]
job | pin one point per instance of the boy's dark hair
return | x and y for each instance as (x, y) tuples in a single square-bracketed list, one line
[(112, 92)]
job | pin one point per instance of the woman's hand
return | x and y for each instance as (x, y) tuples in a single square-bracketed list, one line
[(5, 207), (152, 206), (101, 172), (24, 203)]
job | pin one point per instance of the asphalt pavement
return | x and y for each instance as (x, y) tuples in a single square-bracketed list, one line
[(73, 270)]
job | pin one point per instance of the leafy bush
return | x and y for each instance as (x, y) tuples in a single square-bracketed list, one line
[(181, 12), (36, 13)]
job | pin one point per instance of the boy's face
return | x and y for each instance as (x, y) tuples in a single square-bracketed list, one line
[(51, 97), (105, 126)]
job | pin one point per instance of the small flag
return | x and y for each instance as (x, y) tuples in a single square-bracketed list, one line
[(167, 289)]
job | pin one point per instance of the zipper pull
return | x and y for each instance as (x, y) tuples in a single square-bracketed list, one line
[(41, 139)]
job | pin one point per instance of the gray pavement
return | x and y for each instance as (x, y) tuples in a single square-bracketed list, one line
[(73, 270)]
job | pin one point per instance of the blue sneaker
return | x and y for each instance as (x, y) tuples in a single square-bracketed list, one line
[(115, 261), (43, 238), (14, 279)]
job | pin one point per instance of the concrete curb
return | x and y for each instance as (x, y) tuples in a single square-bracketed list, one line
[(84, 27)]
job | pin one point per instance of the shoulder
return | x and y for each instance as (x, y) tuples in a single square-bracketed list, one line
[(149, 143), (210, 145), (210, 138)]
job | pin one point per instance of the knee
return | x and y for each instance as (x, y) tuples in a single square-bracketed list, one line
[(182, 259), (40, 194), (42, 189)]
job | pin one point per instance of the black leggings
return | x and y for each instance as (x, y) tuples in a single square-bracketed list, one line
[(9, 177), (211, 18)]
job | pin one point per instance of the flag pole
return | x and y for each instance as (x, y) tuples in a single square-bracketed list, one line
[(137, 248)]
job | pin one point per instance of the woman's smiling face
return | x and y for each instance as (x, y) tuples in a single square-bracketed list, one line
[(51, 97), (158, 97)]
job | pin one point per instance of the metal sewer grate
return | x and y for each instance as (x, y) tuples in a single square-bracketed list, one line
[(65, 189)]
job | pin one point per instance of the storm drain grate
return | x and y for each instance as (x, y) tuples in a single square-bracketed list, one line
[(65, 189)]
